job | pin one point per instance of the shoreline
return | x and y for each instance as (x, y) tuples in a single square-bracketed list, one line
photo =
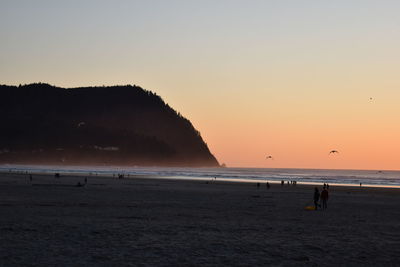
[(208, 179)]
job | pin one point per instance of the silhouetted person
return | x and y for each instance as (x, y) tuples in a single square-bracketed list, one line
[(316, 198), (324, 185), (56, 175), (268, 186), (258, 185), (30, 177), (324, 198), (327, 186), (360, 184), (282, 182)]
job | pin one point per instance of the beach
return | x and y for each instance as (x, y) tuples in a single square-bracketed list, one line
[(147, 221)]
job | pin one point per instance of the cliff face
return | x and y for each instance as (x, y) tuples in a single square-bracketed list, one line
[(113, 125)]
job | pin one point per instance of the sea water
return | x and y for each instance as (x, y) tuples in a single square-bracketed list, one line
[(309, 176)]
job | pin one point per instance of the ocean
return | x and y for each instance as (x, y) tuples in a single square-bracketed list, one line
[(306, 176)]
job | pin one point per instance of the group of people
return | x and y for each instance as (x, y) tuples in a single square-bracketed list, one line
[(289, 182), (57, 175), (319, 198), (120, 175), (323, 196)]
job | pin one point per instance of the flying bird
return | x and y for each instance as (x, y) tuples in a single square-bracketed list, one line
[(82, 123), (333, 152), (269, 157)]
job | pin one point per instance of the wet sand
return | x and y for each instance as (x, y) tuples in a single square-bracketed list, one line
[(158, 222)]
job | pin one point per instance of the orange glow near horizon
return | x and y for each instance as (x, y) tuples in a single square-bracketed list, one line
[(300, 130)]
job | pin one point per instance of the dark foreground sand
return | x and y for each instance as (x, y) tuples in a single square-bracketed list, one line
[(153, 222)]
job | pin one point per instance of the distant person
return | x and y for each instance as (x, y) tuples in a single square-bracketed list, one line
[(282, 182), (324, 198), (258, 185), (268, 186), (85, 180), (316, 198), (327, 186), (360, 184), (324, 185), (30, 177)]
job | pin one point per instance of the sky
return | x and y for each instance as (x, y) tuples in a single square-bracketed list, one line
[(292, 79)]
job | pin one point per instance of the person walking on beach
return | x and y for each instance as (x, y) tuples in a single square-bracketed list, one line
[(324, 198), (316, 198)]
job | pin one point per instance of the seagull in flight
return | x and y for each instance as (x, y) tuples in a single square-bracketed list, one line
[(270, 157), (82, 123), (333, 152)]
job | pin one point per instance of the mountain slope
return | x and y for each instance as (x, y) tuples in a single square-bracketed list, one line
[(40, 123)]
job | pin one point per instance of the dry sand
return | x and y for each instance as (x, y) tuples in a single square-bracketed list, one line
[(158, 222)]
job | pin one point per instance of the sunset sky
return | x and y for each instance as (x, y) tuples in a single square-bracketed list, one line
[(291, 79)]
